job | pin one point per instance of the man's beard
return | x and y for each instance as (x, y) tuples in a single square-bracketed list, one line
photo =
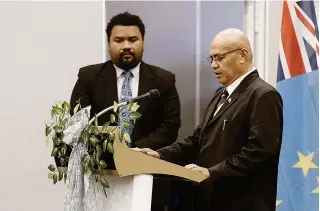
[(126, 65)]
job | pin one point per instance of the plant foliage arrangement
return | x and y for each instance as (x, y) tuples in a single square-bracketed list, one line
[(97, 139)]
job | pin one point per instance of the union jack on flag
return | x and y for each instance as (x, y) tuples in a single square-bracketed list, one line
[(298, 84)]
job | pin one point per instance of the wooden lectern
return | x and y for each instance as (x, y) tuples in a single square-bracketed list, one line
[(131, 183)]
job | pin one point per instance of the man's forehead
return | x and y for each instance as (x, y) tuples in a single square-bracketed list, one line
[(121, 31), (218, 47)]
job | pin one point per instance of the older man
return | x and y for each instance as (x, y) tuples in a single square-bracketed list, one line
[(238, 143)]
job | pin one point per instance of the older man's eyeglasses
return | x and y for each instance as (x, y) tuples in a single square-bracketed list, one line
[(219, 57)]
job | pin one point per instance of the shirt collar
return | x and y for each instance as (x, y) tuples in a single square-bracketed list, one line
[(236, 83), (135, 71)]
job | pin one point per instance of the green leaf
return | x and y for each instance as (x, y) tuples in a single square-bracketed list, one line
[(85, 136), (65, 106), (115, 106), (135, 115), (51, 168), (126, 137), (93, 158), (85, 158), (76, 108), (58, 111), (98, 154), (48, 130), (85, 168), (94, 140), (104, 183), (60, 175), (110, 147), (102, 164), (59, 154), (55, 179), (57, 128), (54, 151), (89, 129), (130, 105), (53, 112), (62, 124), (65, 177), (47, 140), (59, 104), (56, 140), (135, 107), (105, 127), (87, 113), (111, 136), (91, 162), (97, 159), (96, 121), (50, 175), (127, 125), (104, 145), (112, 118), (98, 149), (62, 160), (95, 130), (64, 150)]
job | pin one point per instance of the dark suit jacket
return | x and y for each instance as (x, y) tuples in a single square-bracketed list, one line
[(240, 146), (160, 121)]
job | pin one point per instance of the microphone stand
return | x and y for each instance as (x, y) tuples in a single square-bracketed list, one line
[(106, 110)]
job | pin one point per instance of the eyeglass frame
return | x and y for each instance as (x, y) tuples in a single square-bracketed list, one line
[(221, 56)]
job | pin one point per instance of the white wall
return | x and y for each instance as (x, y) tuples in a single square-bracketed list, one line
[(42, 46)]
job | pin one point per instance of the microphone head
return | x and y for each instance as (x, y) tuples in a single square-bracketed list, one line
[(154, 93)]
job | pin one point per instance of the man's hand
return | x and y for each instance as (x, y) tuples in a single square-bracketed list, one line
[(194, 167), (148, 152)]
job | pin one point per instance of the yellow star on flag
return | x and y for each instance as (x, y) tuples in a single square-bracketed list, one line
[(278, 202), (317, 189), (305, 163)]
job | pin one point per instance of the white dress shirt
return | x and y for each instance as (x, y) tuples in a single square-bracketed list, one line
[(233, 86), (134, 82)]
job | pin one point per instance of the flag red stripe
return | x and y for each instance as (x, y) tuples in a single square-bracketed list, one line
[(290, 44), (305, 22)]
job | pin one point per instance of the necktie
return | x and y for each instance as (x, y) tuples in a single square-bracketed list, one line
[(223, 99), (126, 95)]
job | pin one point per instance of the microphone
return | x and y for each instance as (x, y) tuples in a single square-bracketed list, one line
[(154, 93)]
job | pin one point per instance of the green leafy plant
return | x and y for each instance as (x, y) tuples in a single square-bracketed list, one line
[(97, 139)]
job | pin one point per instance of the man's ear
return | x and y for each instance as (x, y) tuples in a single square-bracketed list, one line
[(244, 55)]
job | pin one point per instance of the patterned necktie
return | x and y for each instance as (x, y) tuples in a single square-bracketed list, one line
[(126, 95), (223, 99)]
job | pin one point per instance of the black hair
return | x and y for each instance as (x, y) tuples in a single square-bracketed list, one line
[(125, 19)]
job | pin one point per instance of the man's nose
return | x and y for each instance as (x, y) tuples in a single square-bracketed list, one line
[(126, 45), (214, 65)]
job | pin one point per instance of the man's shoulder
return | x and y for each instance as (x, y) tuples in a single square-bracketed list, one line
[(160, 72), (91, 70), (260, 87)]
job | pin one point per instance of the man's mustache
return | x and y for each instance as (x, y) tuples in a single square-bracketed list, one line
[(126, 53)]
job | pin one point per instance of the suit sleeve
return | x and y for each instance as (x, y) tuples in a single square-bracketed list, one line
[(264, 140), (167, 132), (81, 91), (182, 151)]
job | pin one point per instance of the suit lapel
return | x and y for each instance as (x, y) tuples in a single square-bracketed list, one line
[(232, 99), (211, 108), (235, 95), (146, 83), (108, 83)]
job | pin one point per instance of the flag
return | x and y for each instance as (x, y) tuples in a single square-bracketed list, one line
[(298, 84)]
